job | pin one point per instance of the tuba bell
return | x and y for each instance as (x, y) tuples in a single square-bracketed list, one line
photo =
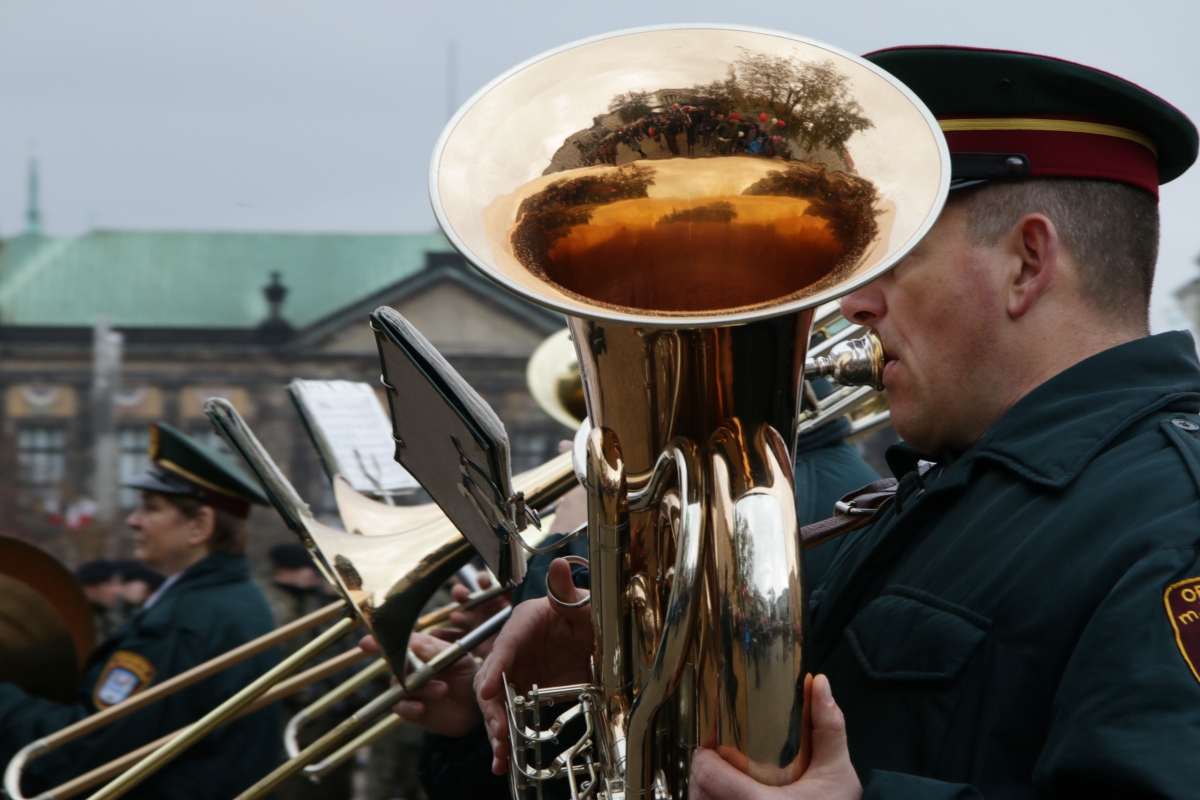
[(687, 196)]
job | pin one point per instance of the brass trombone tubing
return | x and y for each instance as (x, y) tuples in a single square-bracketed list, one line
[(322, 704), (377, 706), (291, 733), (39, 747), (224, 712), (834, 406), (442, 614), (102, 773), (315, 772)]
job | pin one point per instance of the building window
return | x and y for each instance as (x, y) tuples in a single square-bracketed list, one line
[(42, 456), (135, 459)]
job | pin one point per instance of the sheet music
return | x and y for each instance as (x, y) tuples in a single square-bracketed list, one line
[(353, 434), (451, 440)]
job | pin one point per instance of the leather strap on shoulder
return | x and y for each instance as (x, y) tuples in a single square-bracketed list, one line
[(855, 510)]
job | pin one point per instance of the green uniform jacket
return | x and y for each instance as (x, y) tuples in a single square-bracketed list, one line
[(1009, 628), (212, 608)]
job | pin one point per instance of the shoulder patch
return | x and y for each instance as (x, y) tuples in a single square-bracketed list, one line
[(125, 674), (1183, 608)]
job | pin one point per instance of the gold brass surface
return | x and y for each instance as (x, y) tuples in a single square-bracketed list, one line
[(389, 576), (368, 517), (688, 267), (47, 630), (553, 379), (575, 161), (36, 651)]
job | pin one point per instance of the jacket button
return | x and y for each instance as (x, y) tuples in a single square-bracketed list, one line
[(1186, 424)]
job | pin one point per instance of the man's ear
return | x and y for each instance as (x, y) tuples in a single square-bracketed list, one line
[(204, 524), (1034, 240)]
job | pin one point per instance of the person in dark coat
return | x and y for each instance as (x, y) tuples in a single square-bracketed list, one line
[(190, 527), (1024, 620), (101, 582), (138, 583)]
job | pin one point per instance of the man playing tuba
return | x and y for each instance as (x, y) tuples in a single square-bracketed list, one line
[(1024, 619)]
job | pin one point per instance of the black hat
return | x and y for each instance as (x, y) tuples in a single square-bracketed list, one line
[(290, 556), (131, 570), (183, 466), (100, 570), (1007, 115)]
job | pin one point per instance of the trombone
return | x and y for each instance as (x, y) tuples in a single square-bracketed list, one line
[(443, 546), (276, 692), (835, 342)]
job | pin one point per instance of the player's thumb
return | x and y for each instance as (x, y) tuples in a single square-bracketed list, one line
[(830, 751), (561, 585), (713, 776)]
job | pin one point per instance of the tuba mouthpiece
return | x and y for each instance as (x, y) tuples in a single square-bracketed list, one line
[(854, 362)]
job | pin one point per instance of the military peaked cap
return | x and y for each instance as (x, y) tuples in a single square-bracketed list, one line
[(1009, 115), (180, 465)]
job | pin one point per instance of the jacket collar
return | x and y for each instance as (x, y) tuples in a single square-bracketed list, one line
[(1051, 434), (214, 569)]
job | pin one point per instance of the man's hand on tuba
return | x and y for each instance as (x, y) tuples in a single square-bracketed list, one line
[(830, 775), (543, 643)]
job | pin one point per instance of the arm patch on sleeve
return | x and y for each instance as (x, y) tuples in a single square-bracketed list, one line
[(125, 674), (1182, 601)]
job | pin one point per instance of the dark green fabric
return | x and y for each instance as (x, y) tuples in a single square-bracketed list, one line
[(213, 608), (964, 81), (184, 452), (1004, 629), (896, 786), (826, 468)]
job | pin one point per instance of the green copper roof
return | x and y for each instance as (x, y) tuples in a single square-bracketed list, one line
[(209, 280)]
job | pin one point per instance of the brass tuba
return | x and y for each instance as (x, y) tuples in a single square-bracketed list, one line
[(687, 196)]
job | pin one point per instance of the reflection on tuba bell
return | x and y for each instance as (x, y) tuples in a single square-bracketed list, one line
[(687, 197)]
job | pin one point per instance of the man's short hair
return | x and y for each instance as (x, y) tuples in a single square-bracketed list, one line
[(1110, 230), (229, 532)]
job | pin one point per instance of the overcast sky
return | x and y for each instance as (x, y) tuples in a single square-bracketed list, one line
[(267, 115)]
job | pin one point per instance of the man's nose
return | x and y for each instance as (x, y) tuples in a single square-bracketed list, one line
[(864, 306)]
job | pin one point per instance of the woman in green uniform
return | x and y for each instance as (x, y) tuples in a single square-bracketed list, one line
[(191, 527)]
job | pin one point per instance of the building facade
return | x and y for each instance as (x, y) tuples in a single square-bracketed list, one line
[(235, 315)]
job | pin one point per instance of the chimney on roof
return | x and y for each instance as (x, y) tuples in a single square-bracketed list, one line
[(33, 211), (275, 329)]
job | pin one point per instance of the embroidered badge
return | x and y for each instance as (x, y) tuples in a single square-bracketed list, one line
[(125, 674), (1183, 607)]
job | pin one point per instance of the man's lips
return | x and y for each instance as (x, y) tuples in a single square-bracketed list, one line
[(889, 362)]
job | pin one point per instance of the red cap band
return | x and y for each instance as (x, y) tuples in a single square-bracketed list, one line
[(1085, 149)]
